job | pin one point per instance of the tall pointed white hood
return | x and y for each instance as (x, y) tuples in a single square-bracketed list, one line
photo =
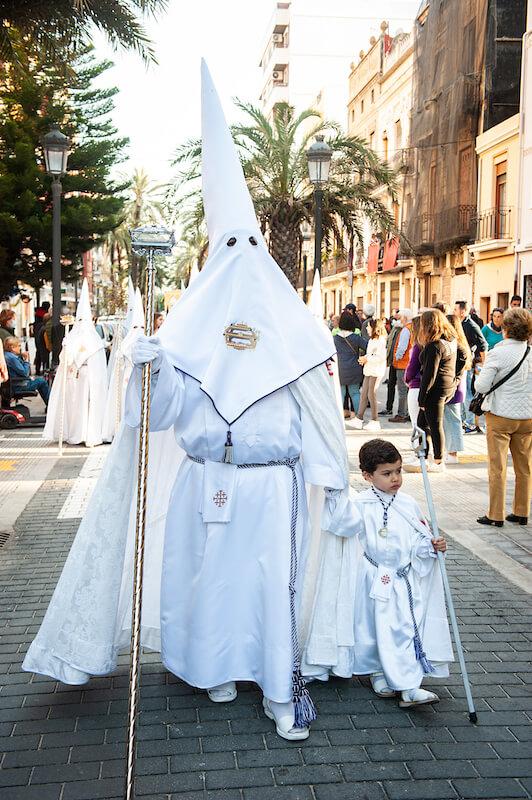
[(226, 199), (83, 310), (136, 326), (316, 300), (83, 340), (240, 329), (130, 303), (137, 314)]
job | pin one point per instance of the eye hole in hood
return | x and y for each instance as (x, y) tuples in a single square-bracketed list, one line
[(253, 241), (231, 242)]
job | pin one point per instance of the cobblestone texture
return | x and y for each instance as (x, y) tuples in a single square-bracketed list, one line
[(67, 743)]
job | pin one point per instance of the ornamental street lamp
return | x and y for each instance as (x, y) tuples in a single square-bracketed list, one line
[(56, 147), (319, 160)]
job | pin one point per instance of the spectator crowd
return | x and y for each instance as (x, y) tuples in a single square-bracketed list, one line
[(452, 375)]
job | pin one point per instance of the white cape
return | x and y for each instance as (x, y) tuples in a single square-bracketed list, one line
[(89, 617)]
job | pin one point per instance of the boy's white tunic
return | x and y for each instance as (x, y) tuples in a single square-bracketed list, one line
[(371, 628), (83, 365)]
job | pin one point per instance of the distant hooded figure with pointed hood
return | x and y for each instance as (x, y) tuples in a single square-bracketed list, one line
[(82, 364), (120, 365), (247, 407)]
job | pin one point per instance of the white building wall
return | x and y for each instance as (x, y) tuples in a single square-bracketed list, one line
[(324, 40)]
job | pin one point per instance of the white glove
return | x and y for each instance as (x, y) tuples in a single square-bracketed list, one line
[(145, 350)]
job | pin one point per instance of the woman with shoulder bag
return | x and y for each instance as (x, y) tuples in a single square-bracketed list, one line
[(349, 347), (438, 382), (506, 383)]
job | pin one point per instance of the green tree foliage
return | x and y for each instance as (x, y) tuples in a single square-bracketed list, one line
[(93, 204), (53, 25), (274, 159)]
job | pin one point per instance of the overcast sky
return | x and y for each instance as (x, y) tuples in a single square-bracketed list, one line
[(158, 106)]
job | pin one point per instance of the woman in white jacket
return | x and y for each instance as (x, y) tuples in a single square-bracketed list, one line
[(374, 363), (509, 417)]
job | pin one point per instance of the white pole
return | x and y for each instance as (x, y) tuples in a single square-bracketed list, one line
[(419, 444)]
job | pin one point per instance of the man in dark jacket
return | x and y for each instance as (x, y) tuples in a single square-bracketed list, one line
[(349, 347), (479, 348), (42, 356)]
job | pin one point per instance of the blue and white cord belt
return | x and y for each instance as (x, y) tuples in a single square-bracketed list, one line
[(421, 656), (304, 710)]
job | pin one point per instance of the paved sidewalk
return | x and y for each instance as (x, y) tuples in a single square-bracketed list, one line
[(67, 743)]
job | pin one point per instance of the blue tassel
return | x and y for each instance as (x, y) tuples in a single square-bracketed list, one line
[(304, 708), (426, 665)]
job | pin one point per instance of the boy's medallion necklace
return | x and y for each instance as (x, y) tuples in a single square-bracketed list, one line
[(386, 506)]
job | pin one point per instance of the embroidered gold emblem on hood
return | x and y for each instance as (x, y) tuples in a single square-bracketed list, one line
[(240, 336)]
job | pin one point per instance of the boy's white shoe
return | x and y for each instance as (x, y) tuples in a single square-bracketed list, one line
[(372, 425), (379, 685), (417, 697), (449, 459), (356, 423), (433, 467)]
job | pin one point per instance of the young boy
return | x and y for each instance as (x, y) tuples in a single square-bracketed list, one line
[(391, 621)]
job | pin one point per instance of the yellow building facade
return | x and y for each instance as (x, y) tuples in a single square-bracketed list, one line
[(494, 248), (380, 99)]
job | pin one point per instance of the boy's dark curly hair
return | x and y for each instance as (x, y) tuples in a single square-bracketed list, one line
[(376, 452)]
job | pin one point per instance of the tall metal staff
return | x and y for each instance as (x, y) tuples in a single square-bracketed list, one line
[(419, 443), (146, 241)]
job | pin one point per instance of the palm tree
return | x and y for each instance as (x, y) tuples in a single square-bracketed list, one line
[(145, 207), (192, 247), (274, 160), (53, 25)]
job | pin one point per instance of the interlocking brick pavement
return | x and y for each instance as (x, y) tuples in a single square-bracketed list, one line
[(67, 743)]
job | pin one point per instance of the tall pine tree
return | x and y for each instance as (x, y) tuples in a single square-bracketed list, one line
[(31, 100)]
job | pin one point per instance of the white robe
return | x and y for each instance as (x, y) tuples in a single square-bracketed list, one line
[(353, 633), (89, 617), (85, 394), (119, 372), (225, 612)]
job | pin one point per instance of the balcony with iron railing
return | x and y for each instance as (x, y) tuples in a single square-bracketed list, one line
[(494, 224), (435, 233)]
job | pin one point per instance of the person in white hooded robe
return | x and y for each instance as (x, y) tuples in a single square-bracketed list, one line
[(252, 406), (120, 364), (82, 364)]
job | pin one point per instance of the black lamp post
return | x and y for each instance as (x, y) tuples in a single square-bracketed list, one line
[(56, 148), (319, 157)]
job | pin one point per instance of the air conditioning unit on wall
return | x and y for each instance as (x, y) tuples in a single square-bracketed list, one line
[(277, 38), (277, 75)]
